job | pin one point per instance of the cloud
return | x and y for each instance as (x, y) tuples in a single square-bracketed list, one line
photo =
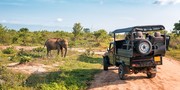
[(10, 21), (59, 19), (166, 2)]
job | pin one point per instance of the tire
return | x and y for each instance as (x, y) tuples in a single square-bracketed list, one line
[(151, 75), (121, 72), (105, 63), (143, 47)]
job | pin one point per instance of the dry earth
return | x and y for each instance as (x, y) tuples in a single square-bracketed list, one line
[(31, 68), (167, 78)]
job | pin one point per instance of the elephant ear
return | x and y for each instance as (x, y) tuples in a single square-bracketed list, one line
[(59, 42)]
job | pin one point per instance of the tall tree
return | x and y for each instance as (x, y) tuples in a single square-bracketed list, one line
[(77, 30), (176, 28), (23, 34)]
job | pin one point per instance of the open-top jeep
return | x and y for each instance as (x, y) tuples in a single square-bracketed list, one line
[(139, 51)]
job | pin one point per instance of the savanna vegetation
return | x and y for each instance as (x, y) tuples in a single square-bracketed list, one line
[(73, 72), (79, 37)]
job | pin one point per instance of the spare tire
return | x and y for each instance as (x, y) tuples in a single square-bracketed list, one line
[(143, 46)]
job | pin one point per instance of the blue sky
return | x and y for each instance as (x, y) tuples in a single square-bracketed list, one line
[(93, 14)]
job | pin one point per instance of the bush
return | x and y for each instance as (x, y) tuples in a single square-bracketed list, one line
[(11, 80), (39, 49), (25, 59), (9, 50), (22, 52), (174, 42)]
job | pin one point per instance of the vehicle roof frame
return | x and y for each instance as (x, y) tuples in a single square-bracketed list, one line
[(145, 28)]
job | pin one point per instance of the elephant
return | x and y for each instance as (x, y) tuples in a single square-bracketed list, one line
[(56, 44)]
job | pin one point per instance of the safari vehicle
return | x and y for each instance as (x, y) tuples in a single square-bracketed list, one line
[(138, 52)]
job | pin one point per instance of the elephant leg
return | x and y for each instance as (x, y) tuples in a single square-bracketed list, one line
[(58, 51), (65, 51), (61, 52), (47, 52)]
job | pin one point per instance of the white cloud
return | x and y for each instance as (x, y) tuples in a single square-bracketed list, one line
[(10, 21), (165, 2), (59, 19)]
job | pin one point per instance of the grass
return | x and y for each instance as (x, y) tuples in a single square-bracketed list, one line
[(75, 73), (175, 54)]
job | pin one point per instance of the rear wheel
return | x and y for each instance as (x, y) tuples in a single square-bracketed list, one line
[(121, 72), (105, 63)]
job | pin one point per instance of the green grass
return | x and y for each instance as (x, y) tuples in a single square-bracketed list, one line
[(175, 54), (75, 73)]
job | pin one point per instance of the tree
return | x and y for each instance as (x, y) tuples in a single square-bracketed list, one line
[(23, 34), (77, 30), (86, 30), (24, 30), (176, 28), (3, 34)]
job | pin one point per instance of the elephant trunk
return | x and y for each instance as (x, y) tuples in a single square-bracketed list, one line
[(65, 52)]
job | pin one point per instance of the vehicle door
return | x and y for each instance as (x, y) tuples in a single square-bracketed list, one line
[(111, 53)]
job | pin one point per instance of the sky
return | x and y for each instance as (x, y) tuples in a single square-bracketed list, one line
[(94, 14)]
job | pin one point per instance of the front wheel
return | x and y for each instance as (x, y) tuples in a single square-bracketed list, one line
[(105, 63), (121, 72)]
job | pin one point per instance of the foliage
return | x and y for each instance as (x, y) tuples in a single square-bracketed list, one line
[(77, 30), (32, 53), (75, 73), (24, 59), (9, 50), (39, 49), (79, 37), (176, 28), (174, 53), (12, 80), (86, 30), (174, 41)]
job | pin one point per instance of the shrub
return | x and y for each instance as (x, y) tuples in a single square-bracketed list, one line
[(9, 50), (11, 80), (39, 49), (22, 52), (25, 59)]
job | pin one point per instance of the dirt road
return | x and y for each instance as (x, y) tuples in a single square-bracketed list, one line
[(167, 78)]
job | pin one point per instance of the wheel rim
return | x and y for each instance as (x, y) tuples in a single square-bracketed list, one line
[(144, 47)]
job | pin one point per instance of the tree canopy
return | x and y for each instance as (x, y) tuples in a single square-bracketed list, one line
[(176, 28), (77, 30)]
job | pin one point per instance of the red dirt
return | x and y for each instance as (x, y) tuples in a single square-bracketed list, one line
[(167, 78)]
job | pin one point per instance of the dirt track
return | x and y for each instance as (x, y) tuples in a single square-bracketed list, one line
[(167, 78)]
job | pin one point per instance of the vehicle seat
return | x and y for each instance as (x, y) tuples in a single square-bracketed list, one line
[(139, 35), (157, 40)]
